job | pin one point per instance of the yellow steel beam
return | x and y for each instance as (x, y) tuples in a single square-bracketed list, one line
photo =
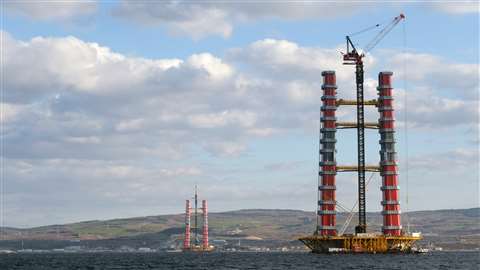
[(365, 244), (350, 236), (368, 168), (372, 125), (372, 102)]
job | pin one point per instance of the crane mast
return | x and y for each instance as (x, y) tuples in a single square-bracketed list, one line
[(353, 57), (196, 217)]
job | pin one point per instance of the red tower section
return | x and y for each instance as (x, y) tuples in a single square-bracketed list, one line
[(388, 161), (186, 240), (326, 204), (205, 225)]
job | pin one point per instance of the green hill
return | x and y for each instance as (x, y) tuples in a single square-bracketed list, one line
[(459, 228)]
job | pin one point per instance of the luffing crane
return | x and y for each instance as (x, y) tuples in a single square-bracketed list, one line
[(354, 57)]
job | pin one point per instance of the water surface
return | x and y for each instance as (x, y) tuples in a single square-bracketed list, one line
[(93, 261)]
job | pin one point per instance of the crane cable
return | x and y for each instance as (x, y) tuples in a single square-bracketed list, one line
[(364, 30), (368, 29), (319, 179), (351, 211), (405, 128)]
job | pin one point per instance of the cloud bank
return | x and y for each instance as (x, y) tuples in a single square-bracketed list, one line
[(85, 125), (52, 10)]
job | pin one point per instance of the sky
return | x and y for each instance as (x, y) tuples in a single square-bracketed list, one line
[(118, 109)]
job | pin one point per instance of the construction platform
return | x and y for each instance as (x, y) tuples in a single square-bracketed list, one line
[(361, 243), (198, 249)]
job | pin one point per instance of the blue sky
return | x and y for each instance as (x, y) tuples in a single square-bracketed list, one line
[(117, 109)]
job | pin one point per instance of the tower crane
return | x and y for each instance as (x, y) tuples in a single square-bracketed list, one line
[(354, 57)]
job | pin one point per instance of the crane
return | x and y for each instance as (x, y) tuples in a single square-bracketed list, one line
[(354, 57)]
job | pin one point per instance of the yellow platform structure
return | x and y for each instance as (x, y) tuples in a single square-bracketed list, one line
[(199, 249), (360, 243)]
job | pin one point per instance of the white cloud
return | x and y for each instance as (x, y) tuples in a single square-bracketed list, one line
[(215, 120), (202, 23), (106, 95), (52, 10), (440, 93), (283, 166), (119, 130), (278, 56), (130, 125), (457, 7), (9, 112), (188, 171), (196, 20), (87, 140), (199, 20), (218, 18), (301, 92), (225, 149), (63, 190), (263, 132), (214, 66), (428, 110), (77, 91), (426, 69), (458, 160)]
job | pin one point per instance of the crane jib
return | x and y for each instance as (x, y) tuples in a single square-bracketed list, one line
[(353, 57)]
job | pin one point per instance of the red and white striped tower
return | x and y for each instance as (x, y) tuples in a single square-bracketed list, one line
[(186, 240), (205, 224), (326, 215), (388, 161)]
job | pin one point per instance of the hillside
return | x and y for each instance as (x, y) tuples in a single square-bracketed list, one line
[(449, 228)]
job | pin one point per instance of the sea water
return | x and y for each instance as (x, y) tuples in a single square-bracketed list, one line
[(241, 260)]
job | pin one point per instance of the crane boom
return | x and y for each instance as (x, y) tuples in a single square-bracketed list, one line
[(353, 57), (383, 33)]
